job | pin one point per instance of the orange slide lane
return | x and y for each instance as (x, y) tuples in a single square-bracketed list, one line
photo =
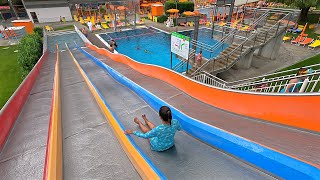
[(53, 163), (300, 111)]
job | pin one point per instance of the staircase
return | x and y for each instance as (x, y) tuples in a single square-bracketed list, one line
[(237, 49)]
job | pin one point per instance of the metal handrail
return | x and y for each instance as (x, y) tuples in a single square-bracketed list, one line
[(277, 85), (262, 78), (182, 62), (278, 23), (254, 35)]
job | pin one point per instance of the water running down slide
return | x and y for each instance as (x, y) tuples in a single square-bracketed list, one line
[(23, 156), (189, 158), (90, 148)]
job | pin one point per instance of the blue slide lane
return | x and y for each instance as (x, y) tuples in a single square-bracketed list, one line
[(262, 157)]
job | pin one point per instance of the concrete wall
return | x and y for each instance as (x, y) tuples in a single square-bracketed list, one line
[(51, 14)]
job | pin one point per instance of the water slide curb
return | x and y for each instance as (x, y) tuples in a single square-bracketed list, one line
[(143, 165), (270, 107), (262, 157), (11, 110), (53, 167)]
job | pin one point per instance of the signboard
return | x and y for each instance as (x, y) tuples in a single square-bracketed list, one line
[(180, 44)]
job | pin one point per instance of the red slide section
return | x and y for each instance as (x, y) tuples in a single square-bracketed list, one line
[(12, 108), (300, 111)]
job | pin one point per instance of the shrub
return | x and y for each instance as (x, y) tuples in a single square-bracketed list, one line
[(38, 30), (162, 19), (182, 6), (30, 50)]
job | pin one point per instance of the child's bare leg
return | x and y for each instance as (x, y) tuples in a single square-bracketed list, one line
[(148, 123), (143, 128)]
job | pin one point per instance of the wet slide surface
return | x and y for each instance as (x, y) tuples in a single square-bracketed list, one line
[(189, 158), (23, 155), (90, 149), (300, 144)]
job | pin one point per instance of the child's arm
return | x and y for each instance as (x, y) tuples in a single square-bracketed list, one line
[(177, 125), (147, 135)]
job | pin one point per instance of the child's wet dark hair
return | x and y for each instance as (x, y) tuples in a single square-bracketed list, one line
[(165, 114)]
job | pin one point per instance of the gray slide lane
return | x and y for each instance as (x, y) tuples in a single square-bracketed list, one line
[(189, 158), (23, 155), (90, 149)]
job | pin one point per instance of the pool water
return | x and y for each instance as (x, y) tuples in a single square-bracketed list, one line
[(148, 45)]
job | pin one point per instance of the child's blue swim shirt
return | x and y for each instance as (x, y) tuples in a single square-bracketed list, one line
[(162, 136)]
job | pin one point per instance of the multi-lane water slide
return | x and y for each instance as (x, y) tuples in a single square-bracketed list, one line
[(91, 151), (284, 137)]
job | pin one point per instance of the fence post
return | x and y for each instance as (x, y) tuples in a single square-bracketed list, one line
[(304, 85)]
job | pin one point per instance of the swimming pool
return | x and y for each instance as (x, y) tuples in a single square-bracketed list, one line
[(151, 46)]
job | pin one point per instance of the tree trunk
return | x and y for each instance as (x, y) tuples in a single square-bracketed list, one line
[(304, 14)]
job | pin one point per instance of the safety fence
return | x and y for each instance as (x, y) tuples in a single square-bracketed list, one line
[(279, 82)]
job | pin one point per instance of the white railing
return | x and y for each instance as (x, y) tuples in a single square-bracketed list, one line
[(207, 78), (306, 83), (268, 83), (82, 36), (271, 77)]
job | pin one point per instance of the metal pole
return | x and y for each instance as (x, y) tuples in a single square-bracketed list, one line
[(25, 8), (135, 14), (176, 15), (171, 61), (14, 10), (231, 11), (115, 18), (196, 31), (212, 28), (187, 66)]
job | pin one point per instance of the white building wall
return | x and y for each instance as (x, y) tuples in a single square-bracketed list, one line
[(241, 2), (51, 14)]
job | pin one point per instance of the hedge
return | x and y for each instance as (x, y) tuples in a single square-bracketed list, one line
[(38, 30), (162, 19), (182, 6), (30, 50)]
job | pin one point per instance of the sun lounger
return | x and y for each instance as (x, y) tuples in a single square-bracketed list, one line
[(48, 28), (295, 31), (183, 24), (221, 23), (315, 44), (306, 41), (81, 20), (297, 40), (75, 18), (286, 38), (104, 25)]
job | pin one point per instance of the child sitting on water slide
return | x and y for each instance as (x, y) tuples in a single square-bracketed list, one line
[(160, 137)]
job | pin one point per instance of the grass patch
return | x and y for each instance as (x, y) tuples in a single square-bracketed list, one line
[(312, 19), (10, 77), (307, 62), (308, 31), (68, 27)]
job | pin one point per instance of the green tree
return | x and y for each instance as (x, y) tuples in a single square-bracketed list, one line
[(30, 50), (303, 5)]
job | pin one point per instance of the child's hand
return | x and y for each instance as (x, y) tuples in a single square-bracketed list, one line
[(144, 117), (128, 131)]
